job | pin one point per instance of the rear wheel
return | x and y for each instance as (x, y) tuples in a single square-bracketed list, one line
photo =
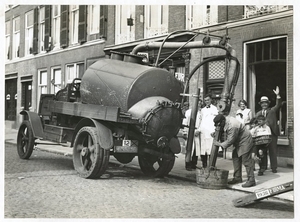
[(25, 140), (155, 166), (89, 159)]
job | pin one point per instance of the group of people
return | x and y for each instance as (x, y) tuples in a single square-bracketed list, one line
[(253, 137)]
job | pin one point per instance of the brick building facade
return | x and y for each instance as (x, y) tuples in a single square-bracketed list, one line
[(46, 46)]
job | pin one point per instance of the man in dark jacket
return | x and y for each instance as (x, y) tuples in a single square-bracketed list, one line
[(272, 122), (240, 137)]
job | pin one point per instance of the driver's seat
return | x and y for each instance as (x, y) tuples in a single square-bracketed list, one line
[(73, 90)]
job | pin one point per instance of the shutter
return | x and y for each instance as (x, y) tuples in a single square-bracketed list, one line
[(82, 24), (103, 21), (64, 26), (35, 31), (47, 40)]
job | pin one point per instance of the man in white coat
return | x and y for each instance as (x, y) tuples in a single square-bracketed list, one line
[(208, 113)]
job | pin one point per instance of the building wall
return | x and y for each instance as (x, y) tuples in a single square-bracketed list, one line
[(47, 62), (176, 12), (230, 13), (111, 25), (139, 22), (248, 32)]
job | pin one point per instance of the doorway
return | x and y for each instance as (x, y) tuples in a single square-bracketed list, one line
[(10, 99), (266, 68)]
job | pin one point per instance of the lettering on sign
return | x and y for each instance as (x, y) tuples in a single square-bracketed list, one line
[(263, 193), (278, 188), (126, 142), (179, 76)]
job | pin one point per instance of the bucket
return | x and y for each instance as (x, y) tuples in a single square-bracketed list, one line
[(212, 178)]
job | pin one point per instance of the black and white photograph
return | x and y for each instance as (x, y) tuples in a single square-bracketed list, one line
[(149, 110)]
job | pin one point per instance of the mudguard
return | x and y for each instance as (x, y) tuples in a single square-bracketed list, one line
[(35, 122), (105, 137)]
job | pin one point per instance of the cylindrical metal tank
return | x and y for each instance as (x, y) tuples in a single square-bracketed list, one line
[(122, 84)]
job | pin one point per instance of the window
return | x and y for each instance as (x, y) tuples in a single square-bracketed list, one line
[(214, 75), (94, 21), (7, 40), (74, 23), (156, 20), (74, 71), (28, 32), (16, 37), (42, 29), (125, 30), (199, 15), (55, 80), (42, 83), (56, 25)]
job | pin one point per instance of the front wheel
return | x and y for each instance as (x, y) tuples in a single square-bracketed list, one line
[(89, 159), (155, 166), (25, 140)]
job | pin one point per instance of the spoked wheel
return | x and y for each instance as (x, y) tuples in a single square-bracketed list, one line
[(25, 140), (89, 159), (155, 166)]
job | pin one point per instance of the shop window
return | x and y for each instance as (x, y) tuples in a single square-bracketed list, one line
[(156, 20)]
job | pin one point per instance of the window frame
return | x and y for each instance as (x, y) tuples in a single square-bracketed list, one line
[(129, 33), (7, 39), (76, 70), (41, 30), (16, 36), (54, 83), (40, 85), (28, 31), (209, 15), (162, 25), (74, 21), (94, 19), (55, 31)]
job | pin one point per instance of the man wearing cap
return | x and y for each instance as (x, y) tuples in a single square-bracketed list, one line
[(272, 122), (240, 137)]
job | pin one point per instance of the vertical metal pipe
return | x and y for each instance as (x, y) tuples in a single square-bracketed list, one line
[(190, 139), (215, 149)]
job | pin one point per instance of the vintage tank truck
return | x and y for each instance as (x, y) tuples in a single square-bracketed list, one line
[(121, 107)]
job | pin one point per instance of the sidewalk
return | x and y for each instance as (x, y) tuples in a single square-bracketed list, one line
[(268, 180)]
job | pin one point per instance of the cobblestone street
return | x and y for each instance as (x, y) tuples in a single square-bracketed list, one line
[(47, 186)]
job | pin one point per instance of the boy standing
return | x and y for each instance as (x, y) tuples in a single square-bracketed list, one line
[(262, 137)]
